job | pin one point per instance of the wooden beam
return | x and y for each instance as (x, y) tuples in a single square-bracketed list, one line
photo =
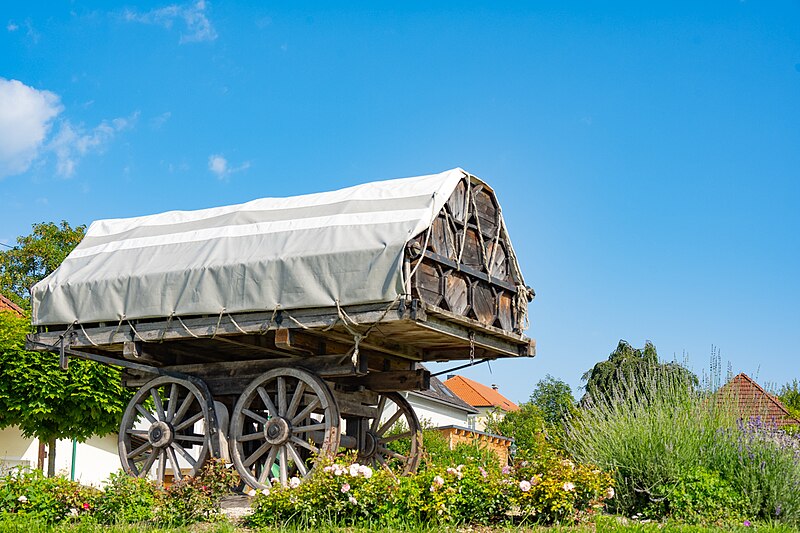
[(394, 381)]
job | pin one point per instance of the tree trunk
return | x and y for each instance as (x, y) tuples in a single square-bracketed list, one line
[(42, 455), (51, 458)]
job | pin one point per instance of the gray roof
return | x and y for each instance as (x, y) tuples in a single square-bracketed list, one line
[(439, 391)]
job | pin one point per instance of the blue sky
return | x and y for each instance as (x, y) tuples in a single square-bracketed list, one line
[(647, 155)]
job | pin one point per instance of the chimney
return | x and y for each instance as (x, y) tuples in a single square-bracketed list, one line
[(494, 386), (450, 376)]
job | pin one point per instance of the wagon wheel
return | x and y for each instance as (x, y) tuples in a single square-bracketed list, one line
[(158, 428), (394, 436), (283, 418)]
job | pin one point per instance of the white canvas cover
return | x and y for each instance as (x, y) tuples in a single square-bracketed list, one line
[(296, 252)]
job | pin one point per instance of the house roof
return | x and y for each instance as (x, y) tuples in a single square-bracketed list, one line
[(753, 401), (478, 394), (439, 391), (8, 305)]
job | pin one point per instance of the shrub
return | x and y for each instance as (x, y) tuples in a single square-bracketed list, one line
[(126, 499), (679, 452), (557, 490), (49, 499), (472, 492), (196, 499)]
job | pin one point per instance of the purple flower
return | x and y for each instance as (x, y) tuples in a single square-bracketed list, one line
[(746, 523)]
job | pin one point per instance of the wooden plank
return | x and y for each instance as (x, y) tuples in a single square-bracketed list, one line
[(471, 271), (403, 380), (481, 339), (202, 327)]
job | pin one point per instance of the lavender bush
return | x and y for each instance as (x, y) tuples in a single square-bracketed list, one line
[(680, 452)]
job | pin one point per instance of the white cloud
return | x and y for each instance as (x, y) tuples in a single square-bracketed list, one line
[(11, 26), (26, 115), (218, 165), (196, 26), (160, 120), (72, 142)]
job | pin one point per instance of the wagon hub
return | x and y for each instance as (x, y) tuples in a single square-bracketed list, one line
[(277, 430), (160, 434), (370, 445)]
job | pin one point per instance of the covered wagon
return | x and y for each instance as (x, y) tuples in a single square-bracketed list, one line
[(282, 329)]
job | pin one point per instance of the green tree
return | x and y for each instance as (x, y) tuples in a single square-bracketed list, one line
[(554, 398), (48, 403), (36, 256), (627, 364), (526, 426), (35, 394), (790, 396)]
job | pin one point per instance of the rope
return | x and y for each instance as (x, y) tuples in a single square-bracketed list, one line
[(480, 235), (86, 334), (236, 325), (268, 323), (187, 329), (496, 240), (135, 333), (293, 319), (164, 331), (385, 312), (216, 329), (466, 218), (427, 238)]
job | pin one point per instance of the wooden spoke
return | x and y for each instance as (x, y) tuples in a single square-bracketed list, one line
[(389, 423), (267, 401), (307, 411), (377, 420), (191, 438), (180, 449), (396, 436), (298, 394), (308, 446), (298, 462), (392, 453), (145, 413), (296, 399), (173, 459), (148, 464), (184, 408), (140, 450), (190, 422), (258, 453), (281, 396), (173, 399), (284, 466), (255, 416), (266, 471), (252, 436), (312, 427), (379, 441), (157, 402), (169, 432), (160, 469)]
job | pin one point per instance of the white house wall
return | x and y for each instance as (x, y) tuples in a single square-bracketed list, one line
[(95, 459), (433, 413)]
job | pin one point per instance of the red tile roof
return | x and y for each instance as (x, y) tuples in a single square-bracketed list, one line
[(8, 305), (479, 395), (753, 401)]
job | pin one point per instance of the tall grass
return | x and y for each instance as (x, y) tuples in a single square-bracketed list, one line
[(674, 449)]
